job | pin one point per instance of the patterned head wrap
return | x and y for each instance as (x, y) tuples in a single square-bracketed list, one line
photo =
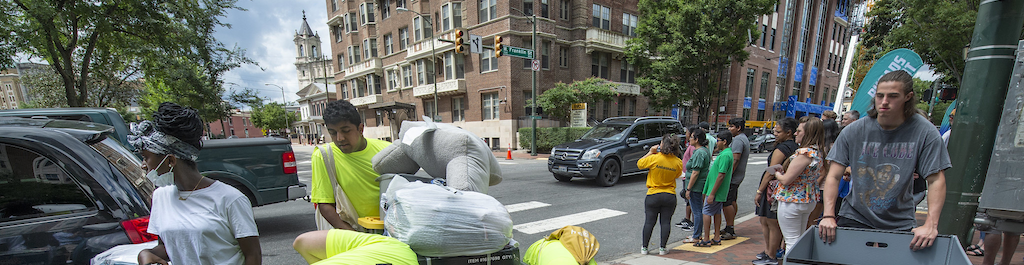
[(145, 136)]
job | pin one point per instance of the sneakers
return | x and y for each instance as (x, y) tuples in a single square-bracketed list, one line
[(780, 253), (662, 251), (643, 251), (728, 233), (685, 224), (760, 256), (765, 261)]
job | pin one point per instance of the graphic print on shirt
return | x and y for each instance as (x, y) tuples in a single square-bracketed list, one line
[(884, 176)]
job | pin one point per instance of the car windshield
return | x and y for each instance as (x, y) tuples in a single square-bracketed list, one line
[(610, 132), (129, 165)]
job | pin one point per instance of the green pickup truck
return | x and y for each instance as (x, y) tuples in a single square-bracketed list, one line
[(264, 169)]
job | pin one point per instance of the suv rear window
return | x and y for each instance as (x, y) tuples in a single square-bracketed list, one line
[(33, 186), (128, 164)]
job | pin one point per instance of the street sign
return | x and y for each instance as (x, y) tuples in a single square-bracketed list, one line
[(536, 65), (578, 115), (535, 117), (476, 44), (517, 52)]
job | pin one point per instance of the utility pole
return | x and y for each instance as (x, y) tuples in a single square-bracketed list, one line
[(980, 106), (533, 109)]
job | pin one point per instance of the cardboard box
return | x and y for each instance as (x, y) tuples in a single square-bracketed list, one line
[(507, 256), (873, 247)]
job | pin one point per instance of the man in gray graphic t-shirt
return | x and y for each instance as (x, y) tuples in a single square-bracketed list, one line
[(884, 151)]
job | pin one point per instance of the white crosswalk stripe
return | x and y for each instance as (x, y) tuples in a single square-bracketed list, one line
[(525, 206), (562, 221), (758, 163)]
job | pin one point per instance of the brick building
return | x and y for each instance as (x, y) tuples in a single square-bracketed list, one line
[(794, 65), (238, 124), (384, 64), (12, 90)]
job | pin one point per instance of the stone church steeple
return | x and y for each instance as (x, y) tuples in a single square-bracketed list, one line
[(310, 61)]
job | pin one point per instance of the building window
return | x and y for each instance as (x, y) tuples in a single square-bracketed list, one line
[(385, 9), (428, 107), (344, 95), (563, 56), (627, 73), (602, 17), (796, 90), (565, 9), (337, 33), (399, 3), (490, 106), (459, 109), (454, 66), (302, 51), (599, 64), (451, 16), (622, 107), (544, 8), (403, 38), (392, 80), (421, 27), (366, 13), (341, 61), (772, 45), (380, 117), (629, 24), (760, 114), (353, 22), (488, 10), (545, 54), (810, 95), (764, 85), (370, 48), (388, 50), (632, 107), (406, 75), (764, 35), (487, 61), (746, 114), (424, 72), (750, 82), (354, 55), (334, 5), (528, 7)]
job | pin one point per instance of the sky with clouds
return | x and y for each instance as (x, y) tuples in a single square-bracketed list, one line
[(266, 31)]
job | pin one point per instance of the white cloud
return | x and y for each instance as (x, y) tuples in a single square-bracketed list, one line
[(266, 31), (926, 73)]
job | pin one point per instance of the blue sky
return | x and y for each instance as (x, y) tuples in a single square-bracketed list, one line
[(266, 31)]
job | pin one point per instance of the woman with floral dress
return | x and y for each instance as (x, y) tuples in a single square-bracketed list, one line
[(798, 177)]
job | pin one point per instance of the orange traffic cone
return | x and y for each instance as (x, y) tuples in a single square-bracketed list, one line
[(509, 156)]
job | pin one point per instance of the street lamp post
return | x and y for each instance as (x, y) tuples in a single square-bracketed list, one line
[(283, 103), (433, 56), (533, 85)]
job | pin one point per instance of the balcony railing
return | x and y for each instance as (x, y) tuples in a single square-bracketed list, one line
[(605, 40), (367, 100), (364, 67), (422, 49), (627, 88), (450, 87)]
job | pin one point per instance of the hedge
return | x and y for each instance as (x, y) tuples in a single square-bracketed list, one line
[(549, 137)]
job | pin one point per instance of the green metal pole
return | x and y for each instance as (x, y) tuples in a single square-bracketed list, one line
[(979, 107), (533, 109)]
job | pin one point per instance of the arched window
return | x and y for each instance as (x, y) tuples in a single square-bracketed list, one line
[(312, 51), (301, 51)]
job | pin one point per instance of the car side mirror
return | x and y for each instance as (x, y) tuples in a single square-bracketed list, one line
[(632, 140)]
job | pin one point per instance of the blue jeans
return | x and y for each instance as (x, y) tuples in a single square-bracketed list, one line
[(696, 206)]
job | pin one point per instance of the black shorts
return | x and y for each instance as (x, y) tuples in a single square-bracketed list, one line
[(733, 190), (765, 210)]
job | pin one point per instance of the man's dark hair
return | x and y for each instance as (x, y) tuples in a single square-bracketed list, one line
[(831, 130), (341, 110), (725, 136), (738, 123), (182, 123), (907, 82), (704, 125)]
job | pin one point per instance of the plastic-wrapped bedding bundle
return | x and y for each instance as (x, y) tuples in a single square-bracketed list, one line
[(439, 221)]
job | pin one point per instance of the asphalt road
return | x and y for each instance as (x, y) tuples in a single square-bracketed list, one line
[(538, 204)]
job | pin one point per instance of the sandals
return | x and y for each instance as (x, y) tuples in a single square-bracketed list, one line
[(975, 250), (702, 244), (716, 242)]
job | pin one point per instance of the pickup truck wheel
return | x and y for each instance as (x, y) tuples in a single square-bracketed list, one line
[(562, 178), (609, 174)]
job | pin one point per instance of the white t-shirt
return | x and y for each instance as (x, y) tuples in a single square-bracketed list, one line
[(204, 228)]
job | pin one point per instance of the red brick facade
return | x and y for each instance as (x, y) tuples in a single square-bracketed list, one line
[(239, 124)]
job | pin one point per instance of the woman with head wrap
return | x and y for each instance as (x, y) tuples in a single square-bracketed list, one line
[(199, 220)]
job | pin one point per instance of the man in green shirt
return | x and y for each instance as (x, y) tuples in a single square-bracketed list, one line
[(716, 190)]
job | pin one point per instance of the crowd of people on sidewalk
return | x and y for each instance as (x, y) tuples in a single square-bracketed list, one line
[(866, 173)]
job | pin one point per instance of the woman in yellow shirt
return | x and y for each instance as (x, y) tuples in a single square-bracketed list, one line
[(664, 167)]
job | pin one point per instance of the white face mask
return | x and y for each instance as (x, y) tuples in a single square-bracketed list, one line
[(165, 179)]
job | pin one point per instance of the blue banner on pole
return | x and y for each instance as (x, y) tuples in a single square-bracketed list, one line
[(900, 59), (798, 72), (760, 104), (783, 67), (813, 78)]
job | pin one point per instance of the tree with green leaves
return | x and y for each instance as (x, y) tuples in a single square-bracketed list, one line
[(683, 46), (72, 35), (114, 86), (273, 116), (557, 101)]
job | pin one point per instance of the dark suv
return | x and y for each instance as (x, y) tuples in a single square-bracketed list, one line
[(611, 149), (68, 191)]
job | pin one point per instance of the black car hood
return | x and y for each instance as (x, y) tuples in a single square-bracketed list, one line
[(585, 144)]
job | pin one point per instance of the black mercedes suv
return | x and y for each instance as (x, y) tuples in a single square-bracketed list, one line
[(611, 149)]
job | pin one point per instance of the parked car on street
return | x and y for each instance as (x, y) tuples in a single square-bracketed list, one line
[(611, 149), (263, 168), (68, 191), (761, 143)]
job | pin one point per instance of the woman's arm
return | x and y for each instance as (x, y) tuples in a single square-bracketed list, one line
[(251, 250), (797, 166), (156, 254)]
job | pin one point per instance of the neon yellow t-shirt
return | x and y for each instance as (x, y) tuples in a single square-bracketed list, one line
[(554, 254), (355, 176), (663, 169)]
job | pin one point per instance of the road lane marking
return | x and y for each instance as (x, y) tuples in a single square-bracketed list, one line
[(507, 163), (525, 206), (562, 221), (758, 163)]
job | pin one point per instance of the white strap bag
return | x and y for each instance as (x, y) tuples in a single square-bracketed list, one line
[(341, 203)]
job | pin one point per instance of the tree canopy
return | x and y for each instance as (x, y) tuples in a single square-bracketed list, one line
[(272, 116), (683, 46), (556, 101)]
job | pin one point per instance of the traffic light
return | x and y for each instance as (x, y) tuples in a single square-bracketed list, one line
[(926, 96), (459, 41), (497, 46), (948, 92)]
